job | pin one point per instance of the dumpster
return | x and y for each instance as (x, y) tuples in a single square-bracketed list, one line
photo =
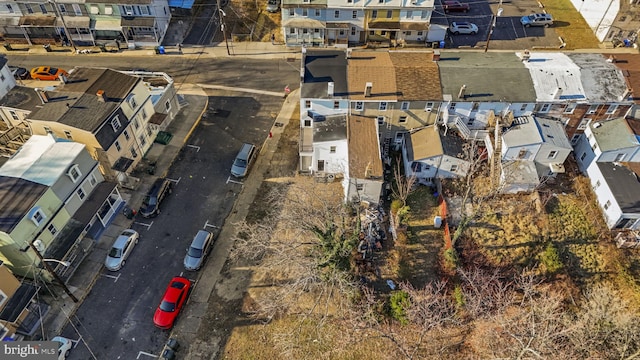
[(163, 137)]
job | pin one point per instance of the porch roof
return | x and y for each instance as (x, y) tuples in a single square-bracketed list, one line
[(304, 23), (37, 20)]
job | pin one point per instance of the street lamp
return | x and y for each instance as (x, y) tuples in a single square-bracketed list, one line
[(52, 272), (494, 19), (222, 26)]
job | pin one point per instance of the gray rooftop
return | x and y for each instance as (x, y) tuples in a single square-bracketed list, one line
[(602, 81), (623, 184), (524, 131), (320, 68), (76, 104), (552, 132), (613, 135), (21, 97), (493, 76), (332, 128), (17, 196)]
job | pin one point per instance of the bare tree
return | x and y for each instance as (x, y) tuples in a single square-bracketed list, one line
[(404, 185)]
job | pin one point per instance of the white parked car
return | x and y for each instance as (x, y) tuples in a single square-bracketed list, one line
[(121, 249), (64, 346), (457, 28)]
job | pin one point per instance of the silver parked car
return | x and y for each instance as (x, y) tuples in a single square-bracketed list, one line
[(198, 251), (545, 20), (121, 249), (243, 160), (463, 28)]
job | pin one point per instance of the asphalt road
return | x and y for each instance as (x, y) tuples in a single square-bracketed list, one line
[(115, 320)]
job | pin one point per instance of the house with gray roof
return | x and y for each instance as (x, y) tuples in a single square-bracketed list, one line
[(52, 196), (616, 140), (617, 191)]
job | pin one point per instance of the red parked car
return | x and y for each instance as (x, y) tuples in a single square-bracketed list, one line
[(455, 6), (172, 302)]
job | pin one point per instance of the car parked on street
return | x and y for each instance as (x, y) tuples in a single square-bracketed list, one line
[(64, 346), (455, 6), (273, 6), (47, 73), (121, 249), (243, 160), (545, 20), (457, 28), (172, 302), (198, 250), (19, 73), (151, 203)]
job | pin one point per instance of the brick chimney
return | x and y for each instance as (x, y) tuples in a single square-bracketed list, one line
[(102, 97)]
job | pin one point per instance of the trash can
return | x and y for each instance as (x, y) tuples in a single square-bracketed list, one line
[(168, 354), (160, 50), (47, 47), (441, 44), (173, 344), (128, 212)]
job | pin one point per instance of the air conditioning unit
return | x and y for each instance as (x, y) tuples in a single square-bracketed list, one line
[(428, 109), (414, 2), (129, 12)]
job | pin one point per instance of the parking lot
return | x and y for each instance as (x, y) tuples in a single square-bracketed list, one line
[(508, 34)]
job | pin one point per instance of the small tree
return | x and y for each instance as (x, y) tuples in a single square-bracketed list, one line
[(404, 185)]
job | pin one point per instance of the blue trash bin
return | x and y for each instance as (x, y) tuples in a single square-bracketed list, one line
[(161, 50), (441, 44)]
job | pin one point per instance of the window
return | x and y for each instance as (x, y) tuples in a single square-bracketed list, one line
[(305, 31), (402, 120), (389, 14), (382, 106), (359, 187), (63, 9), (74, 173), (552, 154), (452, 106), (583, 124), (115, 124), (307, 104), (471, 121), (545, 108), (28, 8), (117, 145), (399, 137), (36, 215), (67, 134), (454, 168), (584, 155), (144, 10), (336, 104), (14, 115), (332, 149), (307, 122), (143, 140), (9, 8), (612, 109), (320, 165), (149, 130), (381, 1), (317, 12), (92, 180), (405, 105), (419, 33), (409, 14), (167, 105), (43, 8), (128, 10), (77, 9), (131, 99), (597, 185), (374, 15), (429, 106), (291, 13), (80, 193), (380, 120), (570, 108), (143, 112), (408, 33), (424, 14), (592, 109), (126, 135), (354, 15), (353, 31), (619, 157), (416, 166), (607, 205), (304, 12), (52, 229), (523, 107), (574, 138), (134, 153), (383, 33), (336, 14), (136, 125)]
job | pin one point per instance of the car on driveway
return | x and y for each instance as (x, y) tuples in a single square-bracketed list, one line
[(121, 249), (64, 346), (172, 302), (545, 20), (198, 250), (47, 73), (19, 73), (455, 6), (151, 203), (457, 28)]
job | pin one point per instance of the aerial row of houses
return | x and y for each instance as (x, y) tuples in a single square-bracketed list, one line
[(133, 23), (69, 147), (528, 110)]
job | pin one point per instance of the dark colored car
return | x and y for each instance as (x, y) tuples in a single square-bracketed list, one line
[(19, 73), (455, 6), (172, 302), (151, 204)]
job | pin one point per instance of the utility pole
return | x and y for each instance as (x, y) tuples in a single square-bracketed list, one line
[(223, 27), (53, 273), (494, 19), (64, 24)]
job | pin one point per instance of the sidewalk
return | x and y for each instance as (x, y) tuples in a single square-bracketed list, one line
[(63, 308)]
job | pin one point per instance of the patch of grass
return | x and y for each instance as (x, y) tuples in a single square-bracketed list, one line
[(570, 25), (550, 259), (398, 303)]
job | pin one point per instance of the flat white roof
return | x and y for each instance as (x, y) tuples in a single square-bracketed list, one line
[(555, 77), (524, 131), (42, 159)]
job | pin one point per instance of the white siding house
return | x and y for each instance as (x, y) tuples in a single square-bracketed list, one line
[(618, 193)]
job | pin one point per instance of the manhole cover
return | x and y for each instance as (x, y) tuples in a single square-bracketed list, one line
[(221, 113)]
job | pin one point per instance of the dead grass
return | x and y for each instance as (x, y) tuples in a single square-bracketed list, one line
[(570, 25)]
